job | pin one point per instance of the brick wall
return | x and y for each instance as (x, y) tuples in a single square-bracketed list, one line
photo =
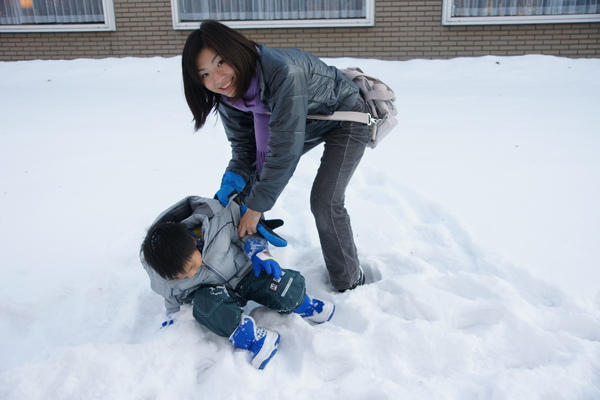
[(404, 30)]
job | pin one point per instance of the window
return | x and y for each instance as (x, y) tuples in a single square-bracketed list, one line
[(482, 12), (56, 15), (240, 14)]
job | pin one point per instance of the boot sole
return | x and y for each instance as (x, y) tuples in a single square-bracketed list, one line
[(267, 351)]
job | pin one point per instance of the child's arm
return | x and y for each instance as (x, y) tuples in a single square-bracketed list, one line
[(160, 287), (172, 305)]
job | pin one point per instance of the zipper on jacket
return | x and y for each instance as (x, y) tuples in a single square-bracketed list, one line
[(219, 276)]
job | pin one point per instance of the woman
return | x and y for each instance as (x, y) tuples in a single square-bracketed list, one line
[(263, 96)]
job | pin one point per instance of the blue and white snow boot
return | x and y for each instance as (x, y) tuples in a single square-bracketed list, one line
[(315, 310), (262, 343)]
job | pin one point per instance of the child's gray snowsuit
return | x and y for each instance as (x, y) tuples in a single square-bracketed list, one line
[(225, 281)]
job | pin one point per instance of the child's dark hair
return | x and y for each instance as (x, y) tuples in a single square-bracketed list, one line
[(167, 248)]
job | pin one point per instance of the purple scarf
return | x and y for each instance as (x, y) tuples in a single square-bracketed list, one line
[(251, 101)]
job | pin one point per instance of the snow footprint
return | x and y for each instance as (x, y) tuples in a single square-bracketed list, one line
[(478, 319)]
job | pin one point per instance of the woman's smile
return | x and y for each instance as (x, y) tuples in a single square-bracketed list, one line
[(228, 86)]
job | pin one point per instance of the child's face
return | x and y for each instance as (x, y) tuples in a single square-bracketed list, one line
[(193, 266)]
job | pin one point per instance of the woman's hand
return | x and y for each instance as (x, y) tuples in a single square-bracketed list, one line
[(248, 222)]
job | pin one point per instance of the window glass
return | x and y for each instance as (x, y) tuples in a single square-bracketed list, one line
[(55, 15), (520, 11), (274, 13)]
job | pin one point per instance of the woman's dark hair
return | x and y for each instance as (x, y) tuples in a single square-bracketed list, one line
[(235, 49), (167, 248)]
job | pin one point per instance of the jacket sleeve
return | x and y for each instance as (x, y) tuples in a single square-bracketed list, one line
[(288, 101), (239, 127), (172, 305)]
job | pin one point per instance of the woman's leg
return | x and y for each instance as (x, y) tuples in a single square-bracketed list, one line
[(344, 148)]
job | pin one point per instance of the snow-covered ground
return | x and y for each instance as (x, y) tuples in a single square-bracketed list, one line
[(477, 222)]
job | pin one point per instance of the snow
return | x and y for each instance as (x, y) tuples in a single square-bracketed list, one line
[(477, 222)]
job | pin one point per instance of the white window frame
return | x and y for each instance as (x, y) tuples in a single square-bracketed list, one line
[(369, 20), (448, 19), (108, 25)]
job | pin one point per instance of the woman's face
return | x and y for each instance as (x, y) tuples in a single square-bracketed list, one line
[(216, 75)]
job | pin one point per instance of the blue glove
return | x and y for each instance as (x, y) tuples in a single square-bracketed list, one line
[(230, 183), (265, 228), (168, 321), (261, 258), (264, 260)]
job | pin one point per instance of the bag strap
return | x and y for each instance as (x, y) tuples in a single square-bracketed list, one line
[(352, 116), (379, 91)]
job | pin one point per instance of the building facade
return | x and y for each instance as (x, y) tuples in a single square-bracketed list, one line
[(392, 30)]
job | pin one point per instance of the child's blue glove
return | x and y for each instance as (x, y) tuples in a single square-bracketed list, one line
[(230, 183), (168, 321), (258, 253), (264, 260)]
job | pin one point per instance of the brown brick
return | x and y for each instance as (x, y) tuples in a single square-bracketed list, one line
[(403, 30)]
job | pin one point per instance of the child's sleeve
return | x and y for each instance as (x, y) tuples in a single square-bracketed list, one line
[(158, 285), (254, 244), (172, 305)]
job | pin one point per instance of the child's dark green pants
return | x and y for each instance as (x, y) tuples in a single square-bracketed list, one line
[(220, 309)]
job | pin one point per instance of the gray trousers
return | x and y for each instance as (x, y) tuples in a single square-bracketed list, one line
[(344, 148)]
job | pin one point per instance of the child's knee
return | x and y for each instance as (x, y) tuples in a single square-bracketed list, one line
[(293, 291), (283, 295), (216, 310)]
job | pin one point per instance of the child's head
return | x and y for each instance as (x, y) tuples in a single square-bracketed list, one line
[(172, 250)]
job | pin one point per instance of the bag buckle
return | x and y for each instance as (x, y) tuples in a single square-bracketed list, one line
[(376, 121)]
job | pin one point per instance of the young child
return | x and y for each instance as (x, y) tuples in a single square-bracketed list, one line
[(193, 254)]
